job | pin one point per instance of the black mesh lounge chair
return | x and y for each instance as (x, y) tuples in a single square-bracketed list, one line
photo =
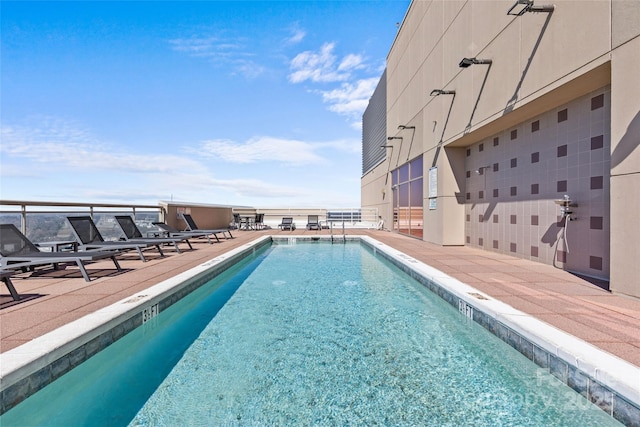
[(89, 238), (5, 275), (18, 252), (313, 223), (191, 226), (172, 232), (133, 235), (287, 224)]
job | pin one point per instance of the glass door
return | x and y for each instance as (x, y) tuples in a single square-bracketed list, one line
[(408, 198)]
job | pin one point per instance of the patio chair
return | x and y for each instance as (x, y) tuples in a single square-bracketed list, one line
[(191, 226), (17, 251), (237, 222), (173, 232), (89, 237), (259, 221), (5, 275), (132, 234), (313, 223), (287, 224), (244, 221)]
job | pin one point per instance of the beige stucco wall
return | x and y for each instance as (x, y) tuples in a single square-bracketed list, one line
[(376, 191), (205, 216), (625, 165), (540, 61)]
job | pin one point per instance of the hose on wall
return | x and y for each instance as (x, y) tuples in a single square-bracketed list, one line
[(563, 236)]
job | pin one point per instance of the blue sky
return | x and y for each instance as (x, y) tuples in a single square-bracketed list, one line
[(240, 103)]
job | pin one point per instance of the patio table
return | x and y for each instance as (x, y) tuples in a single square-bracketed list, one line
[(59, 245)]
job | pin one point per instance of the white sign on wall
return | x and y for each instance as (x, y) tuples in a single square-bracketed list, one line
[(433, 187), (433, 182)]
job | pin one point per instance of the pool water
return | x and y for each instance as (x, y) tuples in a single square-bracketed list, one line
[(309, 334)]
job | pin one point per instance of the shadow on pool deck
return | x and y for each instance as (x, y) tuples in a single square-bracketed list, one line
[(559, 298)]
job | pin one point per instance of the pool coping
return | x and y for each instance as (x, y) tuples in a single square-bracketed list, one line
[(604, 379)]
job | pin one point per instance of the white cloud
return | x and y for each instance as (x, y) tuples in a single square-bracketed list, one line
[(220, 51), (196, 46), (68, 163), (344, 145), (18, 171), (260, 149), (316, 66), (356, 124), (297, 35), (349, 107), (194, 187), (351, 99), (249, 69), (351, 62), (75, 149), (66, 146), (258, 189)]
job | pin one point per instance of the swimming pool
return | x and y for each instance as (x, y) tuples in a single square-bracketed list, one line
[(309, 334)]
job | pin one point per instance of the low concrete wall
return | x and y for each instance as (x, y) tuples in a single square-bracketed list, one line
[(205, 216)]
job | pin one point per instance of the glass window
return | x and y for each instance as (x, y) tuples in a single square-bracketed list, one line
[(403, 200), (404, 209), (416, 193), (404, 173), (416, 214), (416, 168)]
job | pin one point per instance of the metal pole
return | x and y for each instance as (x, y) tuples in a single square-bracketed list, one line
[(23, 219)]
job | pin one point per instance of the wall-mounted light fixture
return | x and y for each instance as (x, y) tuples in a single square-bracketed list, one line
[(520, 7), (405, 127), (437, 92), (467, 62), (480, 170), (384, 147), (391, 138)]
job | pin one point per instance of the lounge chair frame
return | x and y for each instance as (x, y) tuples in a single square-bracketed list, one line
[(313, 222), (287, 224), (191, 226), (25, 254), (132, 234), (172, 232), (6, 278), (88, 236)]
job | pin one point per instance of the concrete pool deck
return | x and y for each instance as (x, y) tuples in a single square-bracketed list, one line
[(52, 299)]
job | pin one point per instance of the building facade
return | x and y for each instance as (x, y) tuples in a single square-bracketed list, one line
[(515, 128)]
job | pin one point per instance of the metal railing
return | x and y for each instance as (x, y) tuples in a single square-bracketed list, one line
[(344, 236), (46, 221), (352, 217)]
